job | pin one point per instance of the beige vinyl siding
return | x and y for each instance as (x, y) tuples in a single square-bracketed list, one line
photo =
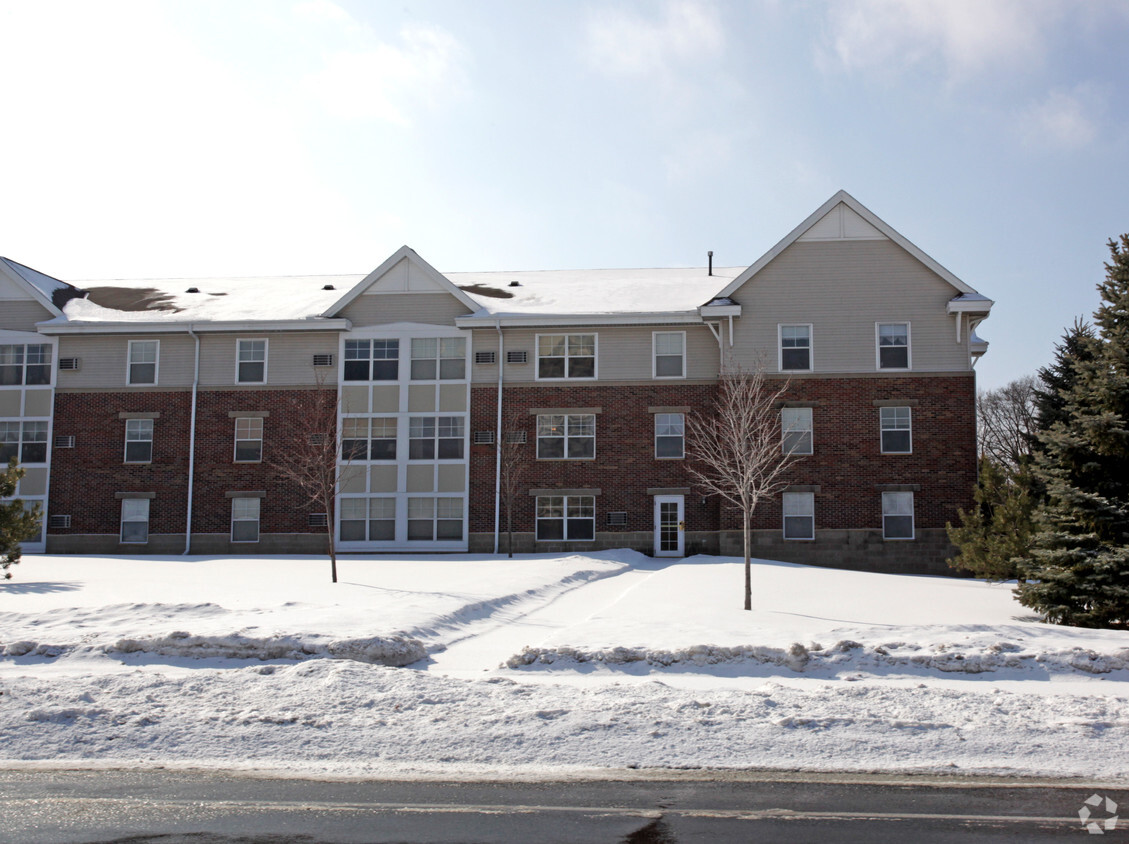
[(289, 358), (842, 289), (103, 360), (623, 352), (18, 315), (383, 308)]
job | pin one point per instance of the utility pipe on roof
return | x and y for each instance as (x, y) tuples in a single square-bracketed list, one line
[(498, 440), (192, 441)]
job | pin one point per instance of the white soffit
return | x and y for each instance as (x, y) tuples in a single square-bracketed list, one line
[(841, 223)]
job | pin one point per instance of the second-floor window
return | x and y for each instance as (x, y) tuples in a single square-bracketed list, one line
[(566, 356), (438, 358), (795, 348), (252, 365), (21, 364), (566, 436), (670, 354), (139, 441), (670, 435), (893, 345), (26, 441), (143, 360), (372, 360), (796, 430), (364, 438), (248, 439)]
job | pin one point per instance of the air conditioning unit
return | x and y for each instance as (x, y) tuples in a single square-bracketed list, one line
[(58, 521), (323, 360), (517, 357), (318, 520), (516, 437), (66, 441), (69, 363), (483, 437), (485, 357), (618, 517)]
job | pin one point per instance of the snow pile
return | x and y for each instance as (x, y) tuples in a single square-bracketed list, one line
[(378, 650)]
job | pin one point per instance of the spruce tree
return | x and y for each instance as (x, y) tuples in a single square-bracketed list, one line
[(1079, 565), (995, 534), (16, 523)]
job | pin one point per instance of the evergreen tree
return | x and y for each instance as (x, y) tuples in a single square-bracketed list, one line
[(1079, 566), (995, 534), (16, 523)]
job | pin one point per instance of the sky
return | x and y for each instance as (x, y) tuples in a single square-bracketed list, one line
[(287, 137)]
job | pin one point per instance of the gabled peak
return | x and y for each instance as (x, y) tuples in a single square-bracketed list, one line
[(842, 223), (51, 292), (404, 271)]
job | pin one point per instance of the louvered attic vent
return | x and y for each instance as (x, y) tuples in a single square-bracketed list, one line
[(58, 521), (485, 357), (323, 360), (483, 437), (64, 441), (517, 357), (318, 520), (69, 363)]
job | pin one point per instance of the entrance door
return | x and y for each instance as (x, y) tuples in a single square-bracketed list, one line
[(669, 526)]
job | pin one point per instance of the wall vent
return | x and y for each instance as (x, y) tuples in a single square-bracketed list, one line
[(58, 521), (617, 517), (316, 439), (483, 437), (515, 437), (66, 441), (318, 520), (517, 357), (69, 363), (485, 357), (323, 360)]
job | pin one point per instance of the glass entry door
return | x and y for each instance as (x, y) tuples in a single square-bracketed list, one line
[(669, 525)]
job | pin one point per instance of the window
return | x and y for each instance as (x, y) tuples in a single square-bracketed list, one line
[(372, 360), (670, 354), (430, 437), (566, 517), (795, 347), (670, 435), (799, 515), (25, 364), (252, 362), (143, 356), (444, 357), (368, 439), (135, 520), (26, 441), (795, 430), (897, 515), (896, 433), (566, 356), (435, 519), (245, 520), (138, 440), (566, 437), (368, 519), (248, 440), (893, 345)]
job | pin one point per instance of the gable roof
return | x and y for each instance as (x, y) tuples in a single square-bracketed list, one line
[(863, 224), (432, 275), (43, 288)]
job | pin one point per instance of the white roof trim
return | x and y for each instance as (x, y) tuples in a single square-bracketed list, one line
[(206, 327), (396, 257), (11, 271), (870, 217), (551, 320)]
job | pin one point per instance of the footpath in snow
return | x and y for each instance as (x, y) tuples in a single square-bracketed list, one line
[(544, 665)]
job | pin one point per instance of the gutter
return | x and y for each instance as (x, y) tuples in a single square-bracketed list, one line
[(192, 442)]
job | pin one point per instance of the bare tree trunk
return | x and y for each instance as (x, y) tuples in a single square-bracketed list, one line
[(746, 517), (510, 527), (330, 519)]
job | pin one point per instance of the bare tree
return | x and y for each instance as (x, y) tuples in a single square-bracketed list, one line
[(1005, 421), (737, 451), (310, 462), (513, 465)]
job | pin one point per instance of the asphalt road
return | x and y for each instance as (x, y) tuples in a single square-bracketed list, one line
[(213, 808)]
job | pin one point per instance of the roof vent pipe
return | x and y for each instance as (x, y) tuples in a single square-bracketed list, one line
[(710, 254)]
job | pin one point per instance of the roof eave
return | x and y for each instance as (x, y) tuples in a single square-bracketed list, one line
[(557, 320), (200, 327)]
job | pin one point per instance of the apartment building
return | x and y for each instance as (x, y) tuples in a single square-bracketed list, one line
[(148, 412)]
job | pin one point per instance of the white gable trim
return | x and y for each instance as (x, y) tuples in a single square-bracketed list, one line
[(403, 253), (868, 216), (8, 269)]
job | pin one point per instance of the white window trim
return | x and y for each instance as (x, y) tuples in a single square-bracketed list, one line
[(564, 519), (438, 359), (566, 437), (238, 439), (878, 349), (121, 523), (266, 357), (655, 426), (912, 519), (595, 355), (655, 355), (784, 517), (258, 521), (780, 345), (810, 431), (909, 430), (156, 364), (127, 441)]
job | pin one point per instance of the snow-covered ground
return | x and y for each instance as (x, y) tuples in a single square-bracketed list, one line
[(544, 665)]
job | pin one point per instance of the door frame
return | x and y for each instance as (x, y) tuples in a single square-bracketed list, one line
[(669, 499)]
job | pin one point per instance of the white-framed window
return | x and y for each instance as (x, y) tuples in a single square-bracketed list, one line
[(893, 345), (245, 520), (799, 515), (561, 356), (20, 364), (368, 519), (670, 436), (26, 441), (669, 359), (796, 430), (372, 360), (571, 518), (570, 436), (435, 437), (431, 519), (897, 515), (144, 357), (896, 427), (248, 439), (251, 361), (795, 348), (368, 438), (438, 358), (135, 520), (139, 441)]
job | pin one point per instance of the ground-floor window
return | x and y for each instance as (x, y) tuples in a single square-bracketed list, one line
[(566, 517), (135, 520), (245, 520), (897, 515), (799, 515), (435, 518), (368, 519)]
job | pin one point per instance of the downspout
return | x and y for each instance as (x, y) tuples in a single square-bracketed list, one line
[(498, 442), (192, 441)]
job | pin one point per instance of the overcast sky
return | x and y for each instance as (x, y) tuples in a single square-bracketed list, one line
[(196, 138)]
